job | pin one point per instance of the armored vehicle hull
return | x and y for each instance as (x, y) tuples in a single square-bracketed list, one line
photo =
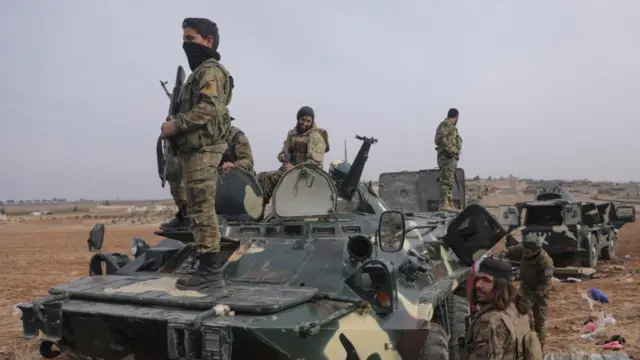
[(310, 283), (418, 191)]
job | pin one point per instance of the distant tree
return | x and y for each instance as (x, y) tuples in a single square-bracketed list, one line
[(75, 208), (106, 203)]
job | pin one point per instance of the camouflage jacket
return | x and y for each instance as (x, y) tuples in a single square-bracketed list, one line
[(239, 150), (308, 147), (203, 115), (536, 273), (494, 334), (447, 139)]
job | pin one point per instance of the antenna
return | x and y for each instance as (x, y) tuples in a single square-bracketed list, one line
[(345, 150)]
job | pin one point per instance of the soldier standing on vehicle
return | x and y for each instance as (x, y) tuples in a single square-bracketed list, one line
[(306, 143), (448, 146), (238, 154), (501, 328), (536, 271), (200, 129)]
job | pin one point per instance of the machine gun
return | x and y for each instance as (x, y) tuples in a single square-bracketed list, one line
[(349, 185), (166, 147)]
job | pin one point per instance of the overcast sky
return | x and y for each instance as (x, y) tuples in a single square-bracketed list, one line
[(545, 89)]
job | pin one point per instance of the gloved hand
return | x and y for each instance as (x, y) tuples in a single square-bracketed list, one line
[(503, 254)]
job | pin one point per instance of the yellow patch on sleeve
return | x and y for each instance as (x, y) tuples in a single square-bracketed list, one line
[(210, 88)]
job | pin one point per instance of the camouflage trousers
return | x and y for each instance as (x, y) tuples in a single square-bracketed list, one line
[(447, 165), (200, 175), (540, 307), (268, 181), (176, 181)]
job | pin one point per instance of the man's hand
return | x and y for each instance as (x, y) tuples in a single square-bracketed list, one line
[(227, 166), (281, 157), (287, 166), (169, 128)]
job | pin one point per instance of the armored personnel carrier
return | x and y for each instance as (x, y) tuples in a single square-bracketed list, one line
[(574, 230), (311, 283)]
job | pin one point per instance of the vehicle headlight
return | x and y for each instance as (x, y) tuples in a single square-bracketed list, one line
[(138, 247)]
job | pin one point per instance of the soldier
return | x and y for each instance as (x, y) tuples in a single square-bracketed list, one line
[(448, 147), (502, 327), (200, 129), (306, 143), (238, 153), (536, 271)]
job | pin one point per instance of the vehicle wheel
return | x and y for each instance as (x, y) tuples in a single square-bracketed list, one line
[(436, 345), (609, 252), (592, 249), (458, 309)]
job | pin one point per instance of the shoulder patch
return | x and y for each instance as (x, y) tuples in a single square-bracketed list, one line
[(210, 88)]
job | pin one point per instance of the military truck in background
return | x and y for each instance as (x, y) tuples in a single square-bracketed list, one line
[(573, 230), (311, 282)]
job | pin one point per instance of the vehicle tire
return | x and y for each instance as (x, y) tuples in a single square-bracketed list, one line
[(436, 345), (609, 252), (592, 252), (458, 309)]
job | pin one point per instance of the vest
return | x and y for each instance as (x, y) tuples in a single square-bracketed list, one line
[(299, 145), (527, 345)]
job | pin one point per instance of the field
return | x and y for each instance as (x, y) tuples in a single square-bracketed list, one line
[(42, 253)]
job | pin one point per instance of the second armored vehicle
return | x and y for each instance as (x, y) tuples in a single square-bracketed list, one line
[(573, 230)]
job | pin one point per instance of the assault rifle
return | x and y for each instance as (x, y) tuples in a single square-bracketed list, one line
[(168, 146)]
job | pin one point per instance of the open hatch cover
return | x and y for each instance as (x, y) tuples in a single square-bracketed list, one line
[(304, 191)]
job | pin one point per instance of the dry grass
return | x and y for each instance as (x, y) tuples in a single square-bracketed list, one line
[(41, 254)]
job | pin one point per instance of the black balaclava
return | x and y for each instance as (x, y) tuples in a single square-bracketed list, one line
[(305, 111), (197, 53)]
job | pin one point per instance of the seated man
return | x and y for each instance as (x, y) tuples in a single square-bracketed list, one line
[(238, 154), (306, 143)]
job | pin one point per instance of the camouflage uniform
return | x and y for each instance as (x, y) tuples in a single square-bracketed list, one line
[(448, 146), (204, 124), (308, 147), (239, 150), (178, 193), (535, 278), (493, 334)]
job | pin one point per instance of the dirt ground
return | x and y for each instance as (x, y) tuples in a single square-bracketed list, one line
[(37, 255)]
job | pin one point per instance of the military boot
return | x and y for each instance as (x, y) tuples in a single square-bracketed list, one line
[(447, 205), (180, 220), (208, 275)]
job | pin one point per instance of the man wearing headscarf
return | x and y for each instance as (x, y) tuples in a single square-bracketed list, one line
[(536, 271), (305, 143)]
